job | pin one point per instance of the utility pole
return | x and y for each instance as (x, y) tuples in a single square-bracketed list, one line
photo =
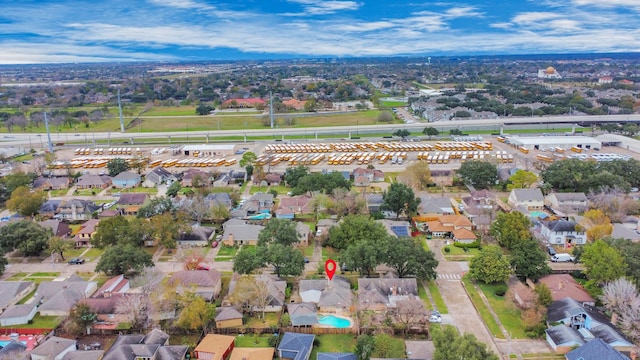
[(46, 125), (120, 112), (271, 108)]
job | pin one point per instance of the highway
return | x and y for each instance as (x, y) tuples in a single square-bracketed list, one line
[(34, 139)]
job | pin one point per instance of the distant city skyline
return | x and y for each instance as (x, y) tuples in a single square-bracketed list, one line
[(68, 31)]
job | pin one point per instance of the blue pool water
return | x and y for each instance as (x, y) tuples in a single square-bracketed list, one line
[(538, 214), (4, 343), (334, 321)]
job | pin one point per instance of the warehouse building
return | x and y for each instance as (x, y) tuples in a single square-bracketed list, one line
[(545, 143)]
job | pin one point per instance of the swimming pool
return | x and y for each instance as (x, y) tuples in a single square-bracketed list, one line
[(4, 343), (334, 321), (538, 214)]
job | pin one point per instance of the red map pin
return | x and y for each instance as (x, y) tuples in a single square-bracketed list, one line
[(330, 267)]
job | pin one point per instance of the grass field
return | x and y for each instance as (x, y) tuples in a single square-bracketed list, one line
[(508, 314), (333, 343), (482, 309), (270, 319), (39, 322), (437, 297), (252, 341)]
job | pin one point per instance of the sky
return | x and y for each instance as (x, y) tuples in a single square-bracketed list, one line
[(69, 31)]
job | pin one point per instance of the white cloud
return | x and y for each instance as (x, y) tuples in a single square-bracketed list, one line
[(634, 4), (534, 17), (321, 7), (182, 4)]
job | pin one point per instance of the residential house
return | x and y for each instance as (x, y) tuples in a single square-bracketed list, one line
[(295, 104), (58, 228), (304, 233), (158, 175), (14, 349), (195, 178), (12, 292), (116, 285), (49, 208), (419, 349), (336, 356), (381, 294), (580, 324), (374, 202), (258, 203), (595, 349), (222, 180), (54, 348), (439, 206), (396, 228), (323, 226), (302, 314), (332, 296), (86, 232), (371, 175), (215, 199), (457, 227), (565, 286), (130, 203), (214, 347), (238, 232), (126, 179), (84, 355), (58, 297), (295, 346), (207, 283), (51, 183), (105, 310), (270, 179), (624, 231), (479, 207), (19, 314), (530, 199), (252, 354), (276, 288), (289, 206), (196, 236), (154, 345), (76, 209), (567, 202), (235, 103), (227, 317), (89, 181), (361, 181), (237, 177), (562, 232)]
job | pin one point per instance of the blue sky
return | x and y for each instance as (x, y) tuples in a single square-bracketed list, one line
[(55, 31)]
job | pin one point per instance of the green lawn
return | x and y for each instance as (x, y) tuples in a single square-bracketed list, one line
[(93, 254), (73, 253), (39, 322), (188, 340), (62, 192), (49, 274), (18, 276), (270, 319), (38, 280), (227, 250), (329, 253), (26, 298), (252, 341), (282, 190), (422, 293), (437, 297), (86, 192), (482, 309), (151, 190), (334, 343), (454, 250), (508, 314)]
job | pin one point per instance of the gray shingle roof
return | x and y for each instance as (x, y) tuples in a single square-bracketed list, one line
[(227, 313), (299, 343), (564, 335), (561, 225), (9, 290), (302, 314), (53, 346), (336, 356), (528, 194), (595, 349)]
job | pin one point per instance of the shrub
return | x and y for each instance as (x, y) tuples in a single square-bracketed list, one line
[(447, 249), (273, 341), (473, 245), (501, 290)]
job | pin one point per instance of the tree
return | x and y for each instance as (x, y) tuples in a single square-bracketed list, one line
[(400, 199), (510, 229), (490, 265), (455, 132), (449, 346), (403, 133), (364, 255), (364, 347), (250, 293), (285, 260), (196, 313), (597, 224), (9, 183), (123, 259), (382, 345), (166, 228), (621, 297), (345, 202), (281, 231), (319, 203), (603, 263), (417, 175), (118, 230), (522, 179), (293, 174), (80, 319), (173, 189), (544, 295), (25, 201), (528, 260), (116, 166), (248, 158), (631, 252), (409, 258), (220, 212), (157, 206), (353, 228), (247, 261), (385, 116), (430, 131), (59, 245), (135, 310), (204, 109), (409, 313), (3, 263), (479, 174), (29, 238)]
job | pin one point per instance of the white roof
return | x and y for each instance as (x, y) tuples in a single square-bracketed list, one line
[(208, 147), (554, 141)]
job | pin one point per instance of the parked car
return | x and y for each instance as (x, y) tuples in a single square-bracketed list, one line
[(435, 319), (306, 260), (203, 267), (551, 250), (562, 258), (76, 261), (214, 244)]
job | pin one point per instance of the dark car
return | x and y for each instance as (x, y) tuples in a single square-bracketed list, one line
[(76, 261), (551, 250)]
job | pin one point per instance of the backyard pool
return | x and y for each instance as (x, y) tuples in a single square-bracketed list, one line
[(538, 214), (334, 321)]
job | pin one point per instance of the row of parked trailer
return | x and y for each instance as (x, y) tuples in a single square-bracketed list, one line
[(192, 162), (109, 151), (92, 162), (444, 157)]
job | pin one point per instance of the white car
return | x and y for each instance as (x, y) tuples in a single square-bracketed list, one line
[(435, 319)]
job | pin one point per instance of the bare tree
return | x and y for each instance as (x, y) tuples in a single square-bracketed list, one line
[(614, 203), (260, 296), (135, 309), (410, 312), (621, 297), (347, 202), (416, 176), (195, 207)]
